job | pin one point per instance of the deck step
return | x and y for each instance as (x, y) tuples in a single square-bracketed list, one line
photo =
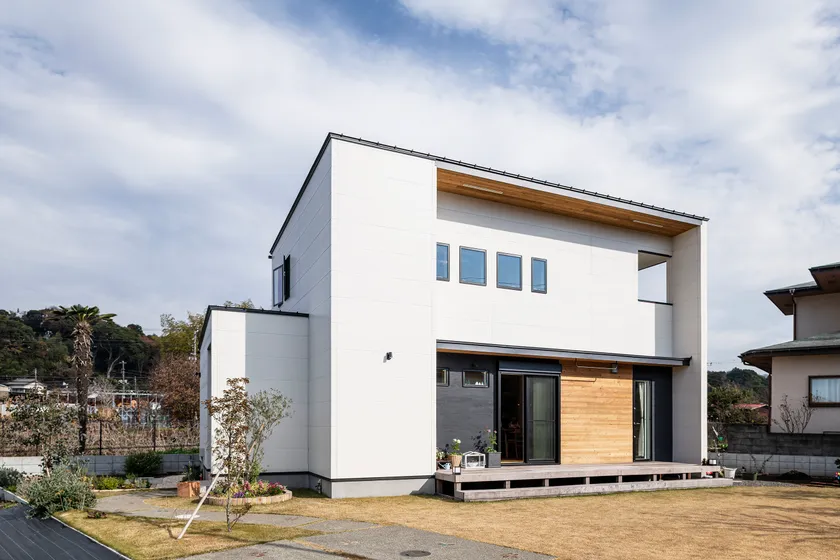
[(583, 489)]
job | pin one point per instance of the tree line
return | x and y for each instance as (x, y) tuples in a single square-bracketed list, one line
[(43, 342)]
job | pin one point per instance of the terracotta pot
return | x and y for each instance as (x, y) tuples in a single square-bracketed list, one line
[(189, 489), (455, 460)]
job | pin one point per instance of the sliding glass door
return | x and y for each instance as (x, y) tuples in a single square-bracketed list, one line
[(541, 419), (642, 420)]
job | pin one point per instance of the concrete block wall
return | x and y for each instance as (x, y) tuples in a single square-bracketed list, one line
[(817, 466), (756, 439), (102, 464)]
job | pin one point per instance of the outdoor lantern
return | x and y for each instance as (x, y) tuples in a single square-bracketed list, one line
[(456, 470)]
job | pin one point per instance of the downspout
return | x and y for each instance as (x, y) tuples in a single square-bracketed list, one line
[(793, 299)]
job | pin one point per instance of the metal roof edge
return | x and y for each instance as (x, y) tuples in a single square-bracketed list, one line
[(211, 308), (408, 152), (433, 157)]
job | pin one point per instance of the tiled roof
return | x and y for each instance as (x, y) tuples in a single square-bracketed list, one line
[(812, 344)]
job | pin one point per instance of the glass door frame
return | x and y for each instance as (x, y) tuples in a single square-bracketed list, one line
[(651, 404), (498, 413)]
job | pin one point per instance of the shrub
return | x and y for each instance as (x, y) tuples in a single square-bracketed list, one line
[(9, 478), (181, 451), (143, 464), (131, 483), (107, 482), (65, 488), (192, 473)]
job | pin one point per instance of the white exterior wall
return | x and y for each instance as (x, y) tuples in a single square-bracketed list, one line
[(817, 315), (687, 289), (790, 377), (271, 350), (593, 282), (308, 239), (382, 276)]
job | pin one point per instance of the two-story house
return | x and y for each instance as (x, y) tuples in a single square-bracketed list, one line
[(806, 370), (419, 299)]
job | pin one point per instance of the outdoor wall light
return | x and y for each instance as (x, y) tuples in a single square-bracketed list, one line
[(388, 355)]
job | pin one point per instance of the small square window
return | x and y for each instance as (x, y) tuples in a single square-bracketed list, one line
[(508, 271), (473, 266), (475, 379), (443, 262), (443, 377), (539, 275)]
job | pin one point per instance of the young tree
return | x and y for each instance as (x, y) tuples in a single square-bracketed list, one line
[(175, 378), (84, 319), (179, 335), (45, 423), (231, 414), (268, 409), (795, 418)]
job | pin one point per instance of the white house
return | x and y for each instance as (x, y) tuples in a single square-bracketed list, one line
[(419, 299), (806, 370), (23, 386)]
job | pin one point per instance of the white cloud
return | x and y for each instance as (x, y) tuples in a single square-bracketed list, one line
[(124, 127)]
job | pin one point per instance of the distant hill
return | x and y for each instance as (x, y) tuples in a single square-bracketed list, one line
[(746, 379)]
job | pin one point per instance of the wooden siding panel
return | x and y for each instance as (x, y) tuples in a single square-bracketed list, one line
[(596, 415), (557, 203)]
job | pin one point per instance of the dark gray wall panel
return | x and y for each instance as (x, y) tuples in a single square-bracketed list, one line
[(463, 412)]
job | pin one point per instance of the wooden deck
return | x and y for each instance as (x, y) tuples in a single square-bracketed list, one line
[(531, 481)]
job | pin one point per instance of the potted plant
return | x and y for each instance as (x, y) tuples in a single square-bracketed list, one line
[(455, 453), (190, 487), (494, 458), (441, 459)]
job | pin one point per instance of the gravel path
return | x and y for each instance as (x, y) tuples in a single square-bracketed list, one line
[(763, 483)]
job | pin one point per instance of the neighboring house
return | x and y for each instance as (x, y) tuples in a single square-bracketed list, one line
[(761, 409), (806, 368), (420, 299), (23, 386)]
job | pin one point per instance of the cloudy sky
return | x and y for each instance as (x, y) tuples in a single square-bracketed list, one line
[(149, 151)]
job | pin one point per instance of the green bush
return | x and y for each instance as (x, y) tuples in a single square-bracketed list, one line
[(65, 488), (9, 478), (143, 464), (107, 482), (181, 451)]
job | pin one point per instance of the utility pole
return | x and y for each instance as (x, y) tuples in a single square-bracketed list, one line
[(122, 369)]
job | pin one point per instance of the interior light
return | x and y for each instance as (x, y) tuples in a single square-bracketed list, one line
[(648, 223), (485, 189)]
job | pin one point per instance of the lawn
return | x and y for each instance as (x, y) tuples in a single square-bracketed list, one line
[(741, 522), (143, 538)]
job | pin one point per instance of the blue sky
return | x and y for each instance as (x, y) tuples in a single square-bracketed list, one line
[(149, 151)]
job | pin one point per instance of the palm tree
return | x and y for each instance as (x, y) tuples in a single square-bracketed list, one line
[(82, 359)]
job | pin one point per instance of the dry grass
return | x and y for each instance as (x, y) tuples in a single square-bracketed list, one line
[(741, 522), (143, 538)]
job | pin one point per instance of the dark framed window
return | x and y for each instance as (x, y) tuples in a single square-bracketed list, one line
[(277, 287), (473, 266), (443, 262), (443, 377), (475, 378), (508, 271), (824, 390), (539, 275)]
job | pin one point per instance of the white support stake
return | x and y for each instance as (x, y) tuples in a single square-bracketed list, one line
[(200, 503)]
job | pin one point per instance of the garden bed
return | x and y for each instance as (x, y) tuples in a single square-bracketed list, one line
[(257, 500)]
